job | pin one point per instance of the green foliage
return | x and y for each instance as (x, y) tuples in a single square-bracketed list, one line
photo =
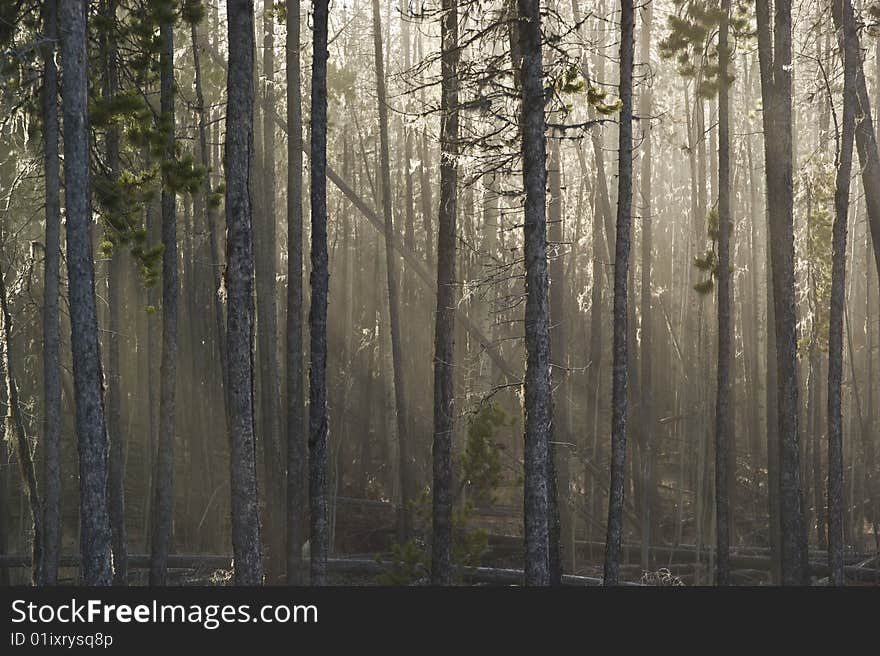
[(816, 200), (707, 263), (481, 475), (692, 42)]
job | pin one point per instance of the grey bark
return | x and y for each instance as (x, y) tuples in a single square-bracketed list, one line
[(538, 402), (444, 326), (91, 429), (320, 281), (163, 502), (620, 352), (723, 422), (239, 159), (776, 78), (296, 439), (845, 22), (267, 314), (52, 426)]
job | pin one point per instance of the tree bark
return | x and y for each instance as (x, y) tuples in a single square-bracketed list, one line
[(163, 505), (776, 77), (52, 425), (444, 327), (320, 280), (239, 160), (91, 429), (538, 401), (620, 351), (296, 439), (723, 423), (845, 21)]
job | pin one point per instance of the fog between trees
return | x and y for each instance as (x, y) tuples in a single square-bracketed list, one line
[(371, 291)]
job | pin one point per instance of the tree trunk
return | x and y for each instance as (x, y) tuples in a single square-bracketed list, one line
[(239, 160), (320, 279), (538, 401), (444, 327), (620, 352), (163, 506), (51, 317), (844, 19), (267, 314), (776, 76), (296, 439), (723, 423), (116, 492), (646, 446), (90, 425)]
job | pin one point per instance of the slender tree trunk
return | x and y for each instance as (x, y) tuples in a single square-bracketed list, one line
[(91, 429), (647, 354), (163, 505), (52, 425), (296, 440), (538, 401), (405, 520), (444, 327), (267, 314), (620, 352), (239, 160), (320, 279), (15, 429), (116, 492), (723, 423), (843, 17)]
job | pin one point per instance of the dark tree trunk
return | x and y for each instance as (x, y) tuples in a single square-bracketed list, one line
[(163, 503), (776, 76), (723, 423), (51, 316), (444, 327), (538, 402), (620, 349), (91, 429), (239, 160), (845, 21), (320, 282), (296, 440)]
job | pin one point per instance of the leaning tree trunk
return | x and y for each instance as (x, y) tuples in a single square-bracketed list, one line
[(163, 503), (296, 442), (620, 352), (239, 159), (320, 281), (538, 402), (444, 327), (51, 315), (91, 430), (843, 16)]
